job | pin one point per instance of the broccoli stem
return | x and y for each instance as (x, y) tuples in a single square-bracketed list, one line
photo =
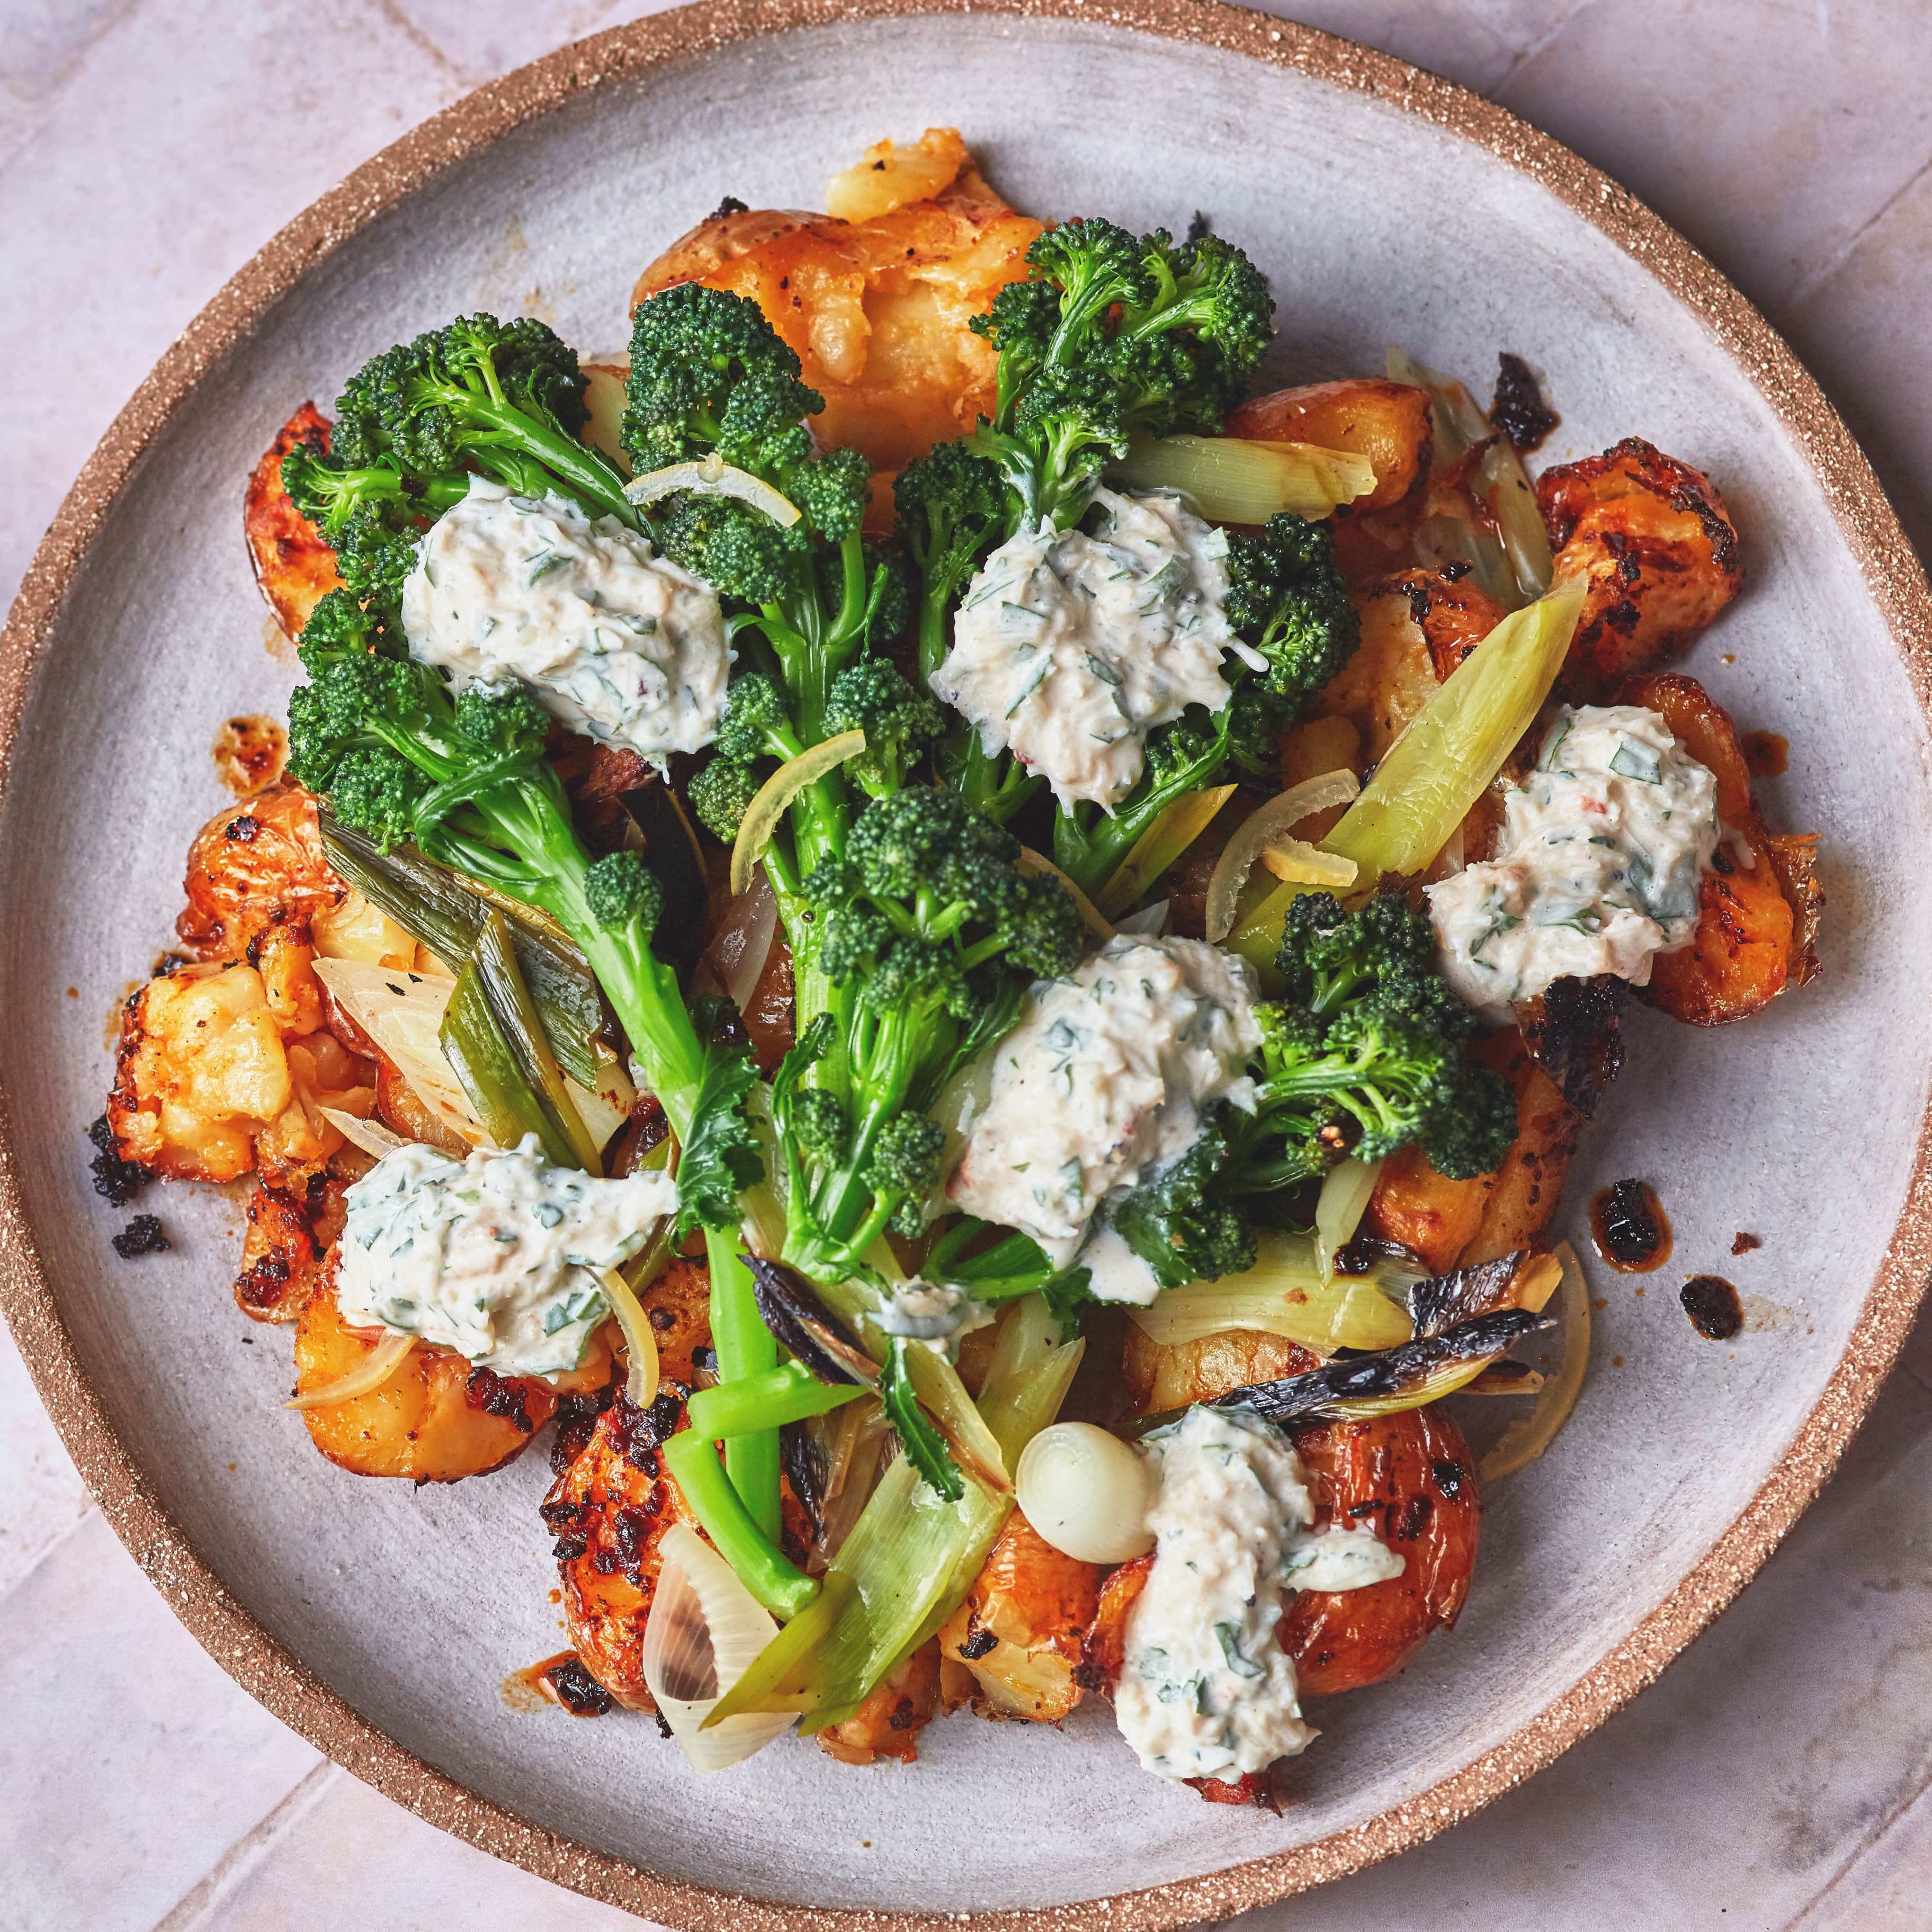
[(590, 478), (746, 1348), (761, 1567), (789, 1392)]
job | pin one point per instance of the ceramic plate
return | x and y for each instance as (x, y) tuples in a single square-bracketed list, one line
[(1386, 207)]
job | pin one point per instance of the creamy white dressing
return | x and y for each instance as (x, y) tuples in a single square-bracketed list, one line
[(1101, 1086), (1070, 648), (495, 1255), (616, 641), (1602, 852), (935, 1316), (1206, 1690)]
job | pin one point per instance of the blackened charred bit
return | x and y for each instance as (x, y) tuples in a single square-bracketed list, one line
[(142, 1236), (1456, 569), (807, 1461), (502, 1397), (1449, 1478), (1439, 1304), (664, 1727), (790, 1307), (704, 1359), (731, 204), (636, 1433), (1630, 1229), (245, 830), (904, 1717), (1413, 1518), (662, 1318), (980, 1640), (1201, 227), (569, 1549), (1089, 1676), (1574, 1028), (1712, 1304), (116, 1181), (264, 1282), (577, 1691), (1519, 411), (576, 1422)]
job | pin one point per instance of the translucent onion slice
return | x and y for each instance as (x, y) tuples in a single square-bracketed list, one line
[(705, 1628), (1160, 846), (641, 1343), (1034, 865), (371, 1136), (1257, 833), (712, 476), (1247, 480), (1298, 863), (1344, 1199), (1028, 1377), (369, 1374), (1511, 497), (1529, 1435), (778, 791), (744, 941), (605, 1108), (403, 1013), (1088, 1493)]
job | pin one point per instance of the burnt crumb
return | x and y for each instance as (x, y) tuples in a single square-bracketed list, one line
[(560, 1515), (983, 1640), (1449, 1478), (1456, 569), (1202, 226), (245, 830), (1519, 411), (904, 1717), (1631, 1231), (576, 1422), (1744, 1243), (704, 1359), (1712, 1304), (664, 1727), (631, 1530), (499, 1396), (142, 1236), (635, 1433), (1358, 1256), (577, 1691), (569, 1549), (262, 1283), (731, 204), (1089, 1676), (116, 1181), (1412, 1518), (662, 1318)]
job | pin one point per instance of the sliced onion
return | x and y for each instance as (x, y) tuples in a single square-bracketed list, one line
[(1088, 1493), (1255, 835), (402, 1012), (704, 1629), (1344, 1199), (975, 1448), (1161, 844), (368, 1375), (1511, 496), (371, 1136), (1150, 923), (778, 791), (1296, 863), (1034, 865), (1529, 1435), (1236, 479), (737, 955), (604, 1109), (641, 1342), (712, 476)]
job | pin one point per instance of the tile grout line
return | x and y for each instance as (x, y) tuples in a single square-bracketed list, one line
[(89, 1513), (1819, 277), (1530, 52), (226, 1876), (399, 18), (1856, 1857)]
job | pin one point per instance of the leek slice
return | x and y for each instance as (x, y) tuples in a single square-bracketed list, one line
[(516, 1016), (1236, 479), (1346, 1189), (1160, 845), (1033, 865), (776, 793)]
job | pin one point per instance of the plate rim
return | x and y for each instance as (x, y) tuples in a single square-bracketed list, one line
[(278, 1679)]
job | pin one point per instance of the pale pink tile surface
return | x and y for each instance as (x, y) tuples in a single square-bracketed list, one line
[(1778, 1775)]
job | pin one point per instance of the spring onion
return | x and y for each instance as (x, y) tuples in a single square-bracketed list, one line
[(482, 1055), (770, 1400), (1247, 480)]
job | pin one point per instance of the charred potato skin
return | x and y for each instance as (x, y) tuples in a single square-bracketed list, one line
[(255, 867), (1410, 1477), (1656, 550), (290, 1230), (896, 1709), (1757, 926), (295, 568)]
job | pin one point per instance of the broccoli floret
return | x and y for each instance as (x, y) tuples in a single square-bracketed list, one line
[(721, 795), (952, 508), (1179, 1227), (898, 722), (620, 890), (755, 724), (819, 1124), (1287, 599)]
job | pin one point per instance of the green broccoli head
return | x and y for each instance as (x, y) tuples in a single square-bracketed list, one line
[(621, 890), (755, 724), (904, 1167), (369, 790), (1178, 1226), (721, 795), (505, 720), (949, 503), (1287, 597), (820, 1127), (737, 549), (898, 721), (1329, 955)]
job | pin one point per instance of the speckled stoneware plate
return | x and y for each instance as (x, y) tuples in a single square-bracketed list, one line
[(1386, 206)]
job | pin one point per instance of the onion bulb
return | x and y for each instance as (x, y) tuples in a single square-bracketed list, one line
[(371, 1136), (1260, 830), (744, 940), (1088, 1493), (704, 1629)]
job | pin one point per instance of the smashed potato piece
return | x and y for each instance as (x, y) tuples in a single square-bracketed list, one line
[(877, 310), (1388, 423), (294, 993), (1426, 1212), (889, 176), (895, 1710), (1520, 1199), (1020, 1631), (1410, 1477), (1104, 1650), (290, 1230), (1656, 550), (1757, 922), (1161, 1375), (437, 1419), (201, 1072), (294, 565), (322, 1073), (253, 865)]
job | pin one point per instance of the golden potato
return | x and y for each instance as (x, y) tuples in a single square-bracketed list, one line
[(294, 565), (1161, 1375), (895, 1710), (255, 865)]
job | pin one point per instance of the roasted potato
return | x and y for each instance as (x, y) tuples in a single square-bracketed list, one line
[(294, 565), (1159, 1376), (1757, 922), (1020, 1631), (896, 1709), (1411, 1478), (1388, 423), (437, 1419), (290, 1230), (877, 309), (1655, 548), (255, 865)]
